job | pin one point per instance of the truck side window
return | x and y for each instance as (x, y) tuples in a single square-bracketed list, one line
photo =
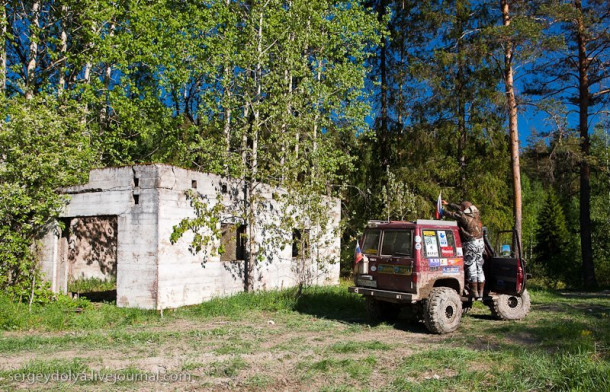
[(396, 242), (450, 239), (446, 243), (371, 242), (430, 243)]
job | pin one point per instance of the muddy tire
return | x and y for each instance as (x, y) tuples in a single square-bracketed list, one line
[(378, 311), (442, 310), (510, 307)]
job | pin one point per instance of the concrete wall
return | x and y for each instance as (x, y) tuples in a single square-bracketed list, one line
[(148, 201), (112, 192)]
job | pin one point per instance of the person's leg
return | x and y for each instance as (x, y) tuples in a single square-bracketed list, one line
[(470, 266), (471, 276), (480, 279), (479, 263)]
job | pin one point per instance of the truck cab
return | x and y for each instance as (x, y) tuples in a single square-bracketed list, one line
[(420, 265)]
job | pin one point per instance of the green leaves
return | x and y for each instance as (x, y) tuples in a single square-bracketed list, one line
[(44, 146), (205, 226), (555, 247)]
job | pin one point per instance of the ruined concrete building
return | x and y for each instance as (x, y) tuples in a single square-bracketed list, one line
[(118, 226)]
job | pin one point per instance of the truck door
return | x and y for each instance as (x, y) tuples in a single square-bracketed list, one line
[(504, 265), (395, 267)]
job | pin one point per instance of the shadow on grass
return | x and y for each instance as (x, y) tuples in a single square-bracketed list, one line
[(100, 296), (349, 309), (487, 317), (586, 295)]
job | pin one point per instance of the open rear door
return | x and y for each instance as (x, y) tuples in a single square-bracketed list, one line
[(504, 266)]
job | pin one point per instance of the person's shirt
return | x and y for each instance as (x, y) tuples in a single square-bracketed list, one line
[(469, 221)]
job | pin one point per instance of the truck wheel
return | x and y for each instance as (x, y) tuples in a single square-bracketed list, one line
[(381, 310), (511, 307), (443, 310)]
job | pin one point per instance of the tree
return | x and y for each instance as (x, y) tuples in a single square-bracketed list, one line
[(577, 78), (554, 244), (299, 77), (600, 201), (44, 146), (511, 104)]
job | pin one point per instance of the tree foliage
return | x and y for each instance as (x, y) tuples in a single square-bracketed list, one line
[(384, 104), (44, 146), (555, 250)]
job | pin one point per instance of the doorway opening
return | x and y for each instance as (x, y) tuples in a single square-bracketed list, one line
[(91, 257)]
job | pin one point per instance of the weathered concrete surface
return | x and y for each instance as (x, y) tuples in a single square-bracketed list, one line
[(147, 201), (92, 247)]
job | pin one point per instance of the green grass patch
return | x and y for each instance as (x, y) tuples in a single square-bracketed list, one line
[(355, 347), (258, 381), (69, 314), (333, 303), (359, 369), (444, 358), (192, 365), (555, 372), (91, 285), (227, 368), (562, 345), (75, 365), (235, 346)]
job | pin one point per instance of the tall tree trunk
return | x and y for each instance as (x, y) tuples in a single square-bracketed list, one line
[(63, 48), (88, 65), (227, 106), (384, 112), (3, 22), (460, 86), (227, 116), (588, 268), (33, 52), (284, 128), (108, 70), (314, 134), (258, 77), (511, 104)]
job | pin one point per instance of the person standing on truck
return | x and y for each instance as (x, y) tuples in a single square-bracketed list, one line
[(471, 233)]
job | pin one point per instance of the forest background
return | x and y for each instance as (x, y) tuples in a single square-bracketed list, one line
[(384, 104)]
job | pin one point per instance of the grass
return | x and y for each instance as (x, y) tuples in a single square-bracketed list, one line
[(352, 347), (227, 368), (91, 285), (319, 341)]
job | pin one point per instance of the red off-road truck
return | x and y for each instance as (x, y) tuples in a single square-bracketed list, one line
[(420, 266)]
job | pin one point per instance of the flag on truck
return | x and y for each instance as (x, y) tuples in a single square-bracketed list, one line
[(438, 214), (357, 253)]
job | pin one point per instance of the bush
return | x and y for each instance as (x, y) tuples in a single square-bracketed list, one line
[(44, 146)]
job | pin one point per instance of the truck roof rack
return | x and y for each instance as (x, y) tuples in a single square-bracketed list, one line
[(374, 223), (435, 222)]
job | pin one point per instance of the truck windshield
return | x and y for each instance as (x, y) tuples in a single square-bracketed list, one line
[(371, 241)]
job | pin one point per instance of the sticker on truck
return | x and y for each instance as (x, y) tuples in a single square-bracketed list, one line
[(451, 270), (393, 269), (430, 242)]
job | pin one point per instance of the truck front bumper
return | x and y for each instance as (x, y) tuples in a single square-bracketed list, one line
[(392, 296)]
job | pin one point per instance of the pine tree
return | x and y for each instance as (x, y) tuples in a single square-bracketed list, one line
[(554, 251), (578, 76)]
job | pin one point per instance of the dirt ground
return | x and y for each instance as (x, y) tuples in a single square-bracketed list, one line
[(271, 351), (287, 351)]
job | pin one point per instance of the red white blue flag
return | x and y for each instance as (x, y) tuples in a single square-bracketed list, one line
[(438, 214), (357, 253)]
